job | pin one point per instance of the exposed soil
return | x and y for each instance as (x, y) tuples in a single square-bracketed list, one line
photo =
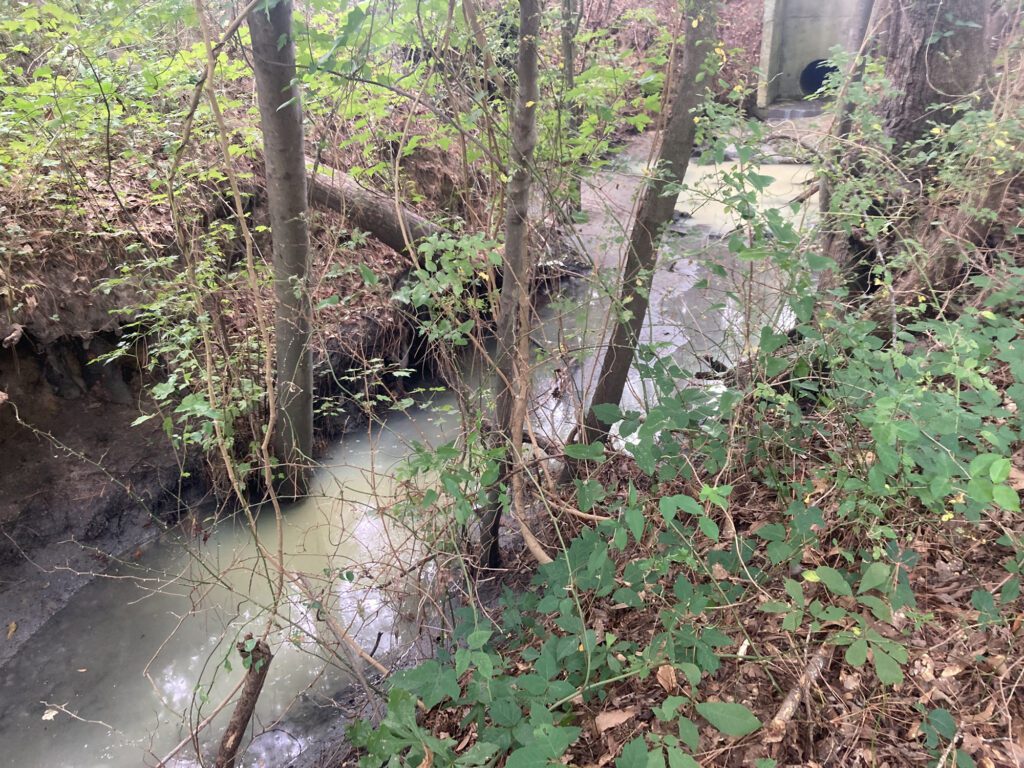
[(79, 484)]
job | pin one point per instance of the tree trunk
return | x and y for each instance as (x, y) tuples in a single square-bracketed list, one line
[(935, 54), (657, 203), (369, 210), (281, 120), (512, 377), (569, 28), (258, 664)]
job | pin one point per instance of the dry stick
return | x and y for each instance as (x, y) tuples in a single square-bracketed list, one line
[(777, 726), (259, 662)]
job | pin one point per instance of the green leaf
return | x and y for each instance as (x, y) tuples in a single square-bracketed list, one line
[(330, 301), (635, 522), (527, 757), (430, 682), (588, 452), (368, 276), (679, 759), (606, 413), (1006, 497), (634, 755), (886, 667), (875, 576), (688, 733), (477, 639), (1000, 470), (834, 580), (708, 527), (817, 262), (857, 653), (668, 505), (729, 718)]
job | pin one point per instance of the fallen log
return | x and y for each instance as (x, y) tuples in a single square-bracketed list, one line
[(391, 223)]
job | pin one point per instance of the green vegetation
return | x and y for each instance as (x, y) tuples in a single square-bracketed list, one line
[(802, 543)]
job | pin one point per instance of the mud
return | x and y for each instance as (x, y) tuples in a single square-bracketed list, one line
[(78, 483)]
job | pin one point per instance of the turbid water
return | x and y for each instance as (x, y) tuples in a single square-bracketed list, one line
[(118, 677), (704, 302)]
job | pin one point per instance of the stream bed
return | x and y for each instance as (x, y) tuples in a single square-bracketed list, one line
[(113, 678)]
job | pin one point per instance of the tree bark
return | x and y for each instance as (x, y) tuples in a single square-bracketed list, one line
[(281, 120), (369, 210), (512, 377), (657, 203), (259, 662), (935, 54)]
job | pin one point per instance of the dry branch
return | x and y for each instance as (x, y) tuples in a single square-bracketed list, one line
[(777, 727), (259, 662)]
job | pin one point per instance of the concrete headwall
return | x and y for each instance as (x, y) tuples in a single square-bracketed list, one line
[(796, 33)]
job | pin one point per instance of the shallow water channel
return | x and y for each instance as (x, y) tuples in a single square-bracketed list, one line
[(111, 680), (106, 681)]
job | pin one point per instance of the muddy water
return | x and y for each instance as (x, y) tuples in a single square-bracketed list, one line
[(704, 303), (118, 676), (115, 677)]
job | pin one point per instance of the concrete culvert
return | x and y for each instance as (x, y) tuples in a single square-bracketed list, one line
[(813, 76)]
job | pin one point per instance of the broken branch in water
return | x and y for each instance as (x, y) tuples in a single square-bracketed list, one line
[(257, 656)]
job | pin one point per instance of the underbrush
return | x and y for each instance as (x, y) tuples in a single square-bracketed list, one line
[(849, 536)]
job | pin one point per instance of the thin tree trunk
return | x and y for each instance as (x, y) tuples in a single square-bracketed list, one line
[(512, 378), (657, 203), (572, 121), (281, 120), (259, 662)]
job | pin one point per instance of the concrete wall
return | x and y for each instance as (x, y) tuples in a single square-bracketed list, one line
[(797, 32)]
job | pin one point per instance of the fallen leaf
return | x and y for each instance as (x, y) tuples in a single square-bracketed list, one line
[(614, 717), (12, 338), (1016, 479), (50, 714), (951, 671), (11, 629), (850, 681), (667, 677)]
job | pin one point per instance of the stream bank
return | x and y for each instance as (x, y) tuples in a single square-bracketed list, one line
[(340, 517)]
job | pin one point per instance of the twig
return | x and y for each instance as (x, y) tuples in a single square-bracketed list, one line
[(336, 629), (777, 727)]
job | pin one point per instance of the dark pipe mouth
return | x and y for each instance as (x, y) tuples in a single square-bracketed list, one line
[(813, 76)]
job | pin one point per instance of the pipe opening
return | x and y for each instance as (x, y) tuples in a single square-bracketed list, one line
[(813, 76)]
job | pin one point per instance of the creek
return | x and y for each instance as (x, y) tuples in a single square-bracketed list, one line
[(142, 652)]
